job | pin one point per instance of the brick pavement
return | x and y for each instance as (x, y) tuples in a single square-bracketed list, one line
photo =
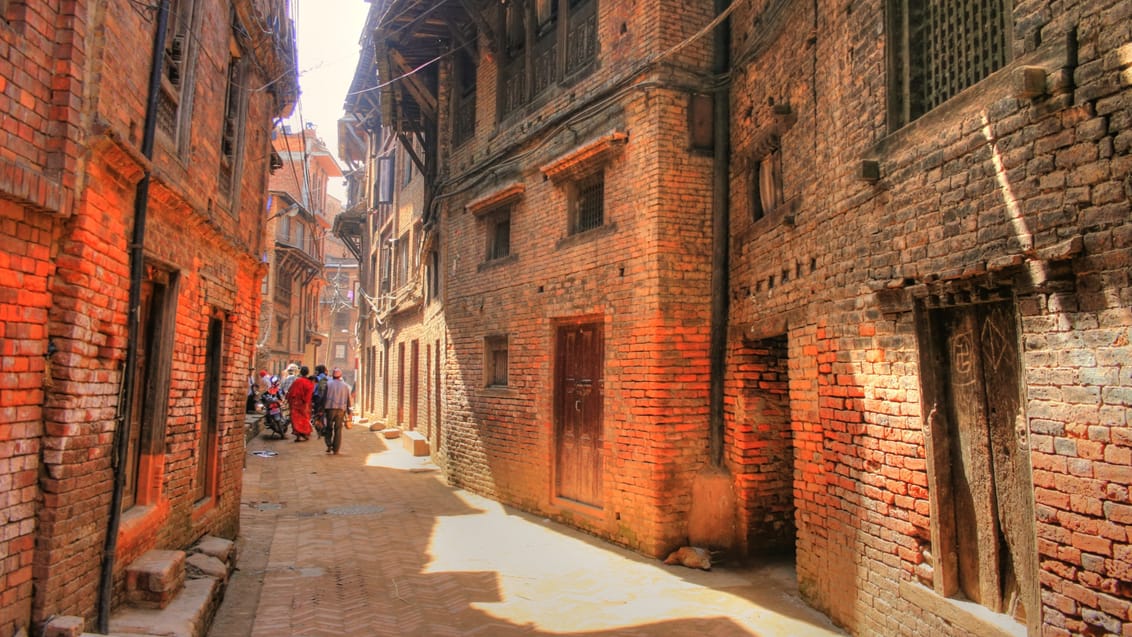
[(372, 542)]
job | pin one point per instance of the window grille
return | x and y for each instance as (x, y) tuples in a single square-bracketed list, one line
[(965, 43), (589, 203), (941, 47), (499, 238)]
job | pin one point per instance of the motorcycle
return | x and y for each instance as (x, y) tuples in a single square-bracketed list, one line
[(273, 415)]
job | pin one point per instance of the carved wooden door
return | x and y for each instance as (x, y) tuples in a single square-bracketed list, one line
[(578, 413), (990, 466)]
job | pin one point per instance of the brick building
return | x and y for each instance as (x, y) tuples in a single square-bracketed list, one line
[(928, 389), (915, 377), (338, 310), (386, 224), (100, 211), (292, 328)]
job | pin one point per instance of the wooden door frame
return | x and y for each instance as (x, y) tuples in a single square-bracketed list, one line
[(556, 327)]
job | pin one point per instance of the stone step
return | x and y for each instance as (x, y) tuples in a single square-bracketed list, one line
[(415, 443), (154, 578), (189, 610)]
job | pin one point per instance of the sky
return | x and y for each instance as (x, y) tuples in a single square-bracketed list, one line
[(328, 34)]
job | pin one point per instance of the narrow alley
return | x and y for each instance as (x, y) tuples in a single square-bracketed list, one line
[(372, 542)]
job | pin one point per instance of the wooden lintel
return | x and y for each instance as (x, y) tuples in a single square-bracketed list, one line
[(426, 100)]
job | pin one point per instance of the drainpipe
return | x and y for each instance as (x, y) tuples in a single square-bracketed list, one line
[(720, 230), (137, 271)]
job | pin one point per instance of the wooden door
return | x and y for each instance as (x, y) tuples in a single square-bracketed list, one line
[(991, 484), (414, 383), (135, 423), (578, 413)]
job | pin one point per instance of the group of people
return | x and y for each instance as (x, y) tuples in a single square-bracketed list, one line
[(317, 402)]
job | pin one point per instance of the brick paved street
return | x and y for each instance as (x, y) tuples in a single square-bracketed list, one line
[(372, 542)]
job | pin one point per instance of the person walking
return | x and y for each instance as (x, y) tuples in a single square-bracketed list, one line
[(337, 406), (318, 400), (292, 373), (299, 398)]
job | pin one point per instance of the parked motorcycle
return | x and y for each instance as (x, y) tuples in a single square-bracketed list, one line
[(273, 416)]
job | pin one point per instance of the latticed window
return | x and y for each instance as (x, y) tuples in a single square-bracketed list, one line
[(230, 140), (178, 42), (940, 47), (541, 49), (588, 203), (464, 111)]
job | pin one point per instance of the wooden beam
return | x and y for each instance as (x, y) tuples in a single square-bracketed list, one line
[(412, 83), (408, 146), (483, 26)]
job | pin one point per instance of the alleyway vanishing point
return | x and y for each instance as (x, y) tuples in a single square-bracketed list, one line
[(371, 542)]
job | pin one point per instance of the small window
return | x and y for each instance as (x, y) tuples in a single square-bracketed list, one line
[(339, 351), (281, 332), (766, 185), (587, 203), (495, 361), (499, 234), (383, 191)]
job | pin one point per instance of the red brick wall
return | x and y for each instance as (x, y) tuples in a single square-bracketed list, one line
[(986, 187), (66, 220), (26, 263), (644, 278)]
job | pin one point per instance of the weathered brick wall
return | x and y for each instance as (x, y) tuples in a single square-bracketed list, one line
[(26, 262), (1031, 194), (644, 278), (38, 154), (66, 220)]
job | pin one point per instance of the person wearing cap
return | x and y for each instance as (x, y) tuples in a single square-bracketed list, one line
[(292, 373), (337, 408)]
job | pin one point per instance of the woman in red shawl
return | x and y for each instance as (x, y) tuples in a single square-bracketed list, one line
[(299, 398)]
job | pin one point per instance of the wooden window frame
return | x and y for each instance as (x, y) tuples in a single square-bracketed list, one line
[(578, 192), (208, 438), (545, 44), (496, 361), (494, 222), (145, 455)]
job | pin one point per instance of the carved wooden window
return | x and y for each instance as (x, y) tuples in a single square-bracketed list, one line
[(464, 102), (939, 48), (983, 537), (545, 42), (495, 361), (232, 126), (171, 117), (587, 203)]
